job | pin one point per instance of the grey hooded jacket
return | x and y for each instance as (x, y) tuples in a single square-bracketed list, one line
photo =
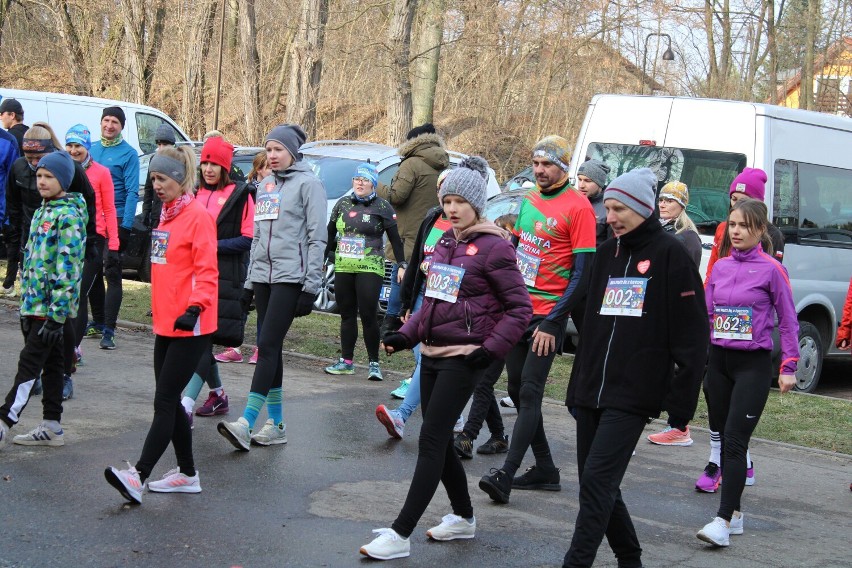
[(290, 249)]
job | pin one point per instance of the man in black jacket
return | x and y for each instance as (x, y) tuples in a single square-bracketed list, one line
[(651, 317)]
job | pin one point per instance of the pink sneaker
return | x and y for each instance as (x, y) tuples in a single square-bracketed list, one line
[(253, 358), (214, 405), (710, 479), (671, 437), (229, 355)]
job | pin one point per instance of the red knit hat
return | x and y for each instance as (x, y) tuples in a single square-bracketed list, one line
[(752, 182), (217, 151)]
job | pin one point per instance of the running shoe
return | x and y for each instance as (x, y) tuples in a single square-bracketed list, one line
[(710, 478), (737, 523), (67, 387), (214, 405), (402, 389), (10, 291), (464, 447), (78, 356), (238, 433), (229, 355), (94, 331), (498, 485), (671, 437), (507, 402), (494, 446), (270, 435), (537, 478), (108, 340), (176, 482), (387, 546), (750, 475), (375, 372), (459, 427), (341, 368), (716, 532), (392, 421), (453, 527), (253, 359), (41, 435), (127, 482)]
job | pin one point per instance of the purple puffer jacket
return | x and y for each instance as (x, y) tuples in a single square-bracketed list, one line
[(493, 307)]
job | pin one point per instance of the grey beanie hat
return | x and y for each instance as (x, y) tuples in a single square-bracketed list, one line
[(636, 189), (468, 181), (595, 170), (165, 133), (291, 136)]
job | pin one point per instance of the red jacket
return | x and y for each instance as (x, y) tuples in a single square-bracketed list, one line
[(106, 222), (190, 274), (845, 329)]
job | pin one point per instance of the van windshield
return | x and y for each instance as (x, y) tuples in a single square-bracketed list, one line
[(708, 175)]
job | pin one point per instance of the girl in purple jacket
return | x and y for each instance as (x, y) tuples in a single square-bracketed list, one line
[(476, 307), (744, 294)]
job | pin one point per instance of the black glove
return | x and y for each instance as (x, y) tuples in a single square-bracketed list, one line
[(329, 259), (305, 304), (113, 260), (246, 300), (479, 359), (396, 340), (124, 237), (187, 321), (50, 332)]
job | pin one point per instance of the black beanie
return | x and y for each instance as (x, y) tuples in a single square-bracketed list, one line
[(427, 128), (117, 113)]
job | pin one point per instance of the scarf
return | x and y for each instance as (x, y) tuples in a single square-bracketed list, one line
[(365, 199), (87, 162), (109, 143), (173, 208)]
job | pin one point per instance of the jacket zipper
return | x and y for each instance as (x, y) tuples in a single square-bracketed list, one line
[(612, 332)]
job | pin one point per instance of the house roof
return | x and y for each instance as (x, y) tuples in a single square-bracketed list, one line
[(627, 66), (833, 51)]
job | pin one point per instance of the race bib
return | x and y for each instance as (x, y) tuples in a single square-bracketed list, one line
[(528, 265), (732, 322), (444, 282), (624, 297), (268, 206), (159, 246), (351, 247)]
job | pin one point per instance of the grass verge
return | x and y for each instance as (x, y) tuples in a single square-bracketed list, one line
[(811, 421)]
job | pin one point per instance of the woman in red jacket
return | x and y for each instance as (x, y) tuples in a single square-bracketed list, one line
[(184, 288), (844, 331)]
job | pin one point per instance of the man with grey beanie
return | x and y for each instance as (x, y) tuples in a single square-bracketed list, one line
[(644, 347), (591, 181)]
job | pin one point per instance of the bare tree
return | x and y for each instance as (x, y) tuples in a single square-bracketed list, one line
[(424, 78), (250, 66), (306, 65), (70, 35), (806, 96), (193, 108), (399, 96), (143, 26)]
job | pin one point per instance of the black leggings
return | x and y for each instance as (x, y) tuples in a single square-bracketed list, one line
[(484, 406), (175, 359), (106, 302), (92, 267), (445, 386), (358, 294), (279, 301), (736, 387), (527, 376), (12, 239)]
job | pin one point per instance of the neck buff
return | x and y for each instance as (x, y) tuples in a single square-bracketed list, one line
[(106, 143), (365, 199), (173, 208)]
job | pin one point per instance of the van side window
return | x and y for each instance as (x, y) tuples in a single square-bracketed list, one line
[(815, 199), (146, 128)]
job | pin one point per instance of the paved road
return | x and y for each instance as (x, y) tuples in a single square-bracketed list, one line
[(314, 501)]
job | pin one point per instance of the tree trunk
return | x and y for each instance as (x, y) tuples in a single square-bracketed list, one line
[(306, 66), (144, 39), (4, 12), (806, 95), (234, 26), (399, 99), (193, 109), (425, 76), (713, 70), (772, 49), (250, 65), (76, 58)]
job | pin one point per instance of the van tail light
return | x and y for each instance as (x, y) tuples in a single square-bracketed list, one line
[(647, 142)]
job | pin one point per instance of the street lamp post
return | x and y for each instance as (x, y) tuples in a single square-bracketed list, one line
[(668, 55)]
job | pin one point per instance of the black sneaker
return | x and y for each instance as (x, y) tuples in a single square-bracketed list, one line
[(494, 446), (464, 446), (497, 485), (536, 478)]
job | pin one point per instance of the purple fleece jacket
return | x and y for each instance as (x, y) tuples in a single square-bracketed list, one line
[(754, 279), (493, 307)]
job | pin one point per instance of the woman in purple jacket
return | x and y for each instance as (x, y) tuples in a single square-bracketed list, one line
[(475, 308), (744, 294)]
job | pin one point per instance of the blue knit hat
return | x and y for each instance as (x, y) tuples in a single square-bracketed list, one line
[(368, 171), (61, 165), (79, 134)]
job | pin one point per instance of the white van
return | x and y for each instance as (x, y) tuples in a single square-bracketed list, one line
[(64, 111), (705, 143)]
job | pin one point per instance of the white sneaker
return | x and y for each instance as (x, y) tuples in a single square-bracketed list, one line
[(737, 523), (9, 292), (4, 433), (387, 546), (507, 402), (238, 433), (452, 527), (716, 532), (127, 482), (459, 427), (41, 435), (269, 435), (176, 482)]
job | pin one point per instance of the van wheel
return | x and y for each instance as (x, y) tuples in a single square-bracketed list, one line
[(810, 358)]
